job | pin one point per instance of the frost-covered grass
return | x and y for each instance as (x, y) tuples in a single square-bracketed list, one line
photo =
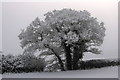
[(107, 72)]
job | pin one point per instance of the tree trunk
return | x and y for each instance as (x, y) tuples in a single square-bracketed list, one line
[(68, 61), (68, 57), (75, 58), (77, 54)]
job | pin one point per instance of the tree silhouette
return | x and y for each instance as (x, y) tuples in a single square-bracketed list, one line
[(64, 32)]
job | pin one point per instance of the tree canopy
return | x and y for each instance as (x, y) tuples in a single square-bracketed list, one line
[(64, 32)]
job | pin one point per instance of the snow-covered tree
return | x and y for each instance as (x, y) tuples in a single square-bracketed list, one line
[(67, 32)]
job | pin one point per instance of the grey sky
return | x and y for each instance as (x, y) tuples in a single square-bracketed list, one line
[(0, 27), (16, 16)]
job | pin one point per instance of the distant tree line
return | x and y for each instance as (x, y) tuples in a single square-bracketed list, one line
[(98, 63)]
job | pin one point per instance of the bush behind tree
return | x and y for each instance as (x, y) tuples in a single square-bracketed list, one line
[(22, 63)]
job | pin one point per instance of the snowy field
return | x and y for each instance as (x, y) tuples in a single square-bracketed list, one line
[(108, 72)]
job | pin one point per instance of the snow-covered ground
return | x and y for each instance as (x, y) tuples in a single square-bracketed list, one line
[(107, 72)]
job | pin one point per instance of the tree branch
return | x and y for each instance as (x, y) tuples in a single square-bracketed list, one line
[(58, 57)]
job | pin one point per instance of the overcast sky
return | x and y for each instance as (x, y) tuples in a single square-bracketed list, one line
[(17, 16), (0, 27)]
